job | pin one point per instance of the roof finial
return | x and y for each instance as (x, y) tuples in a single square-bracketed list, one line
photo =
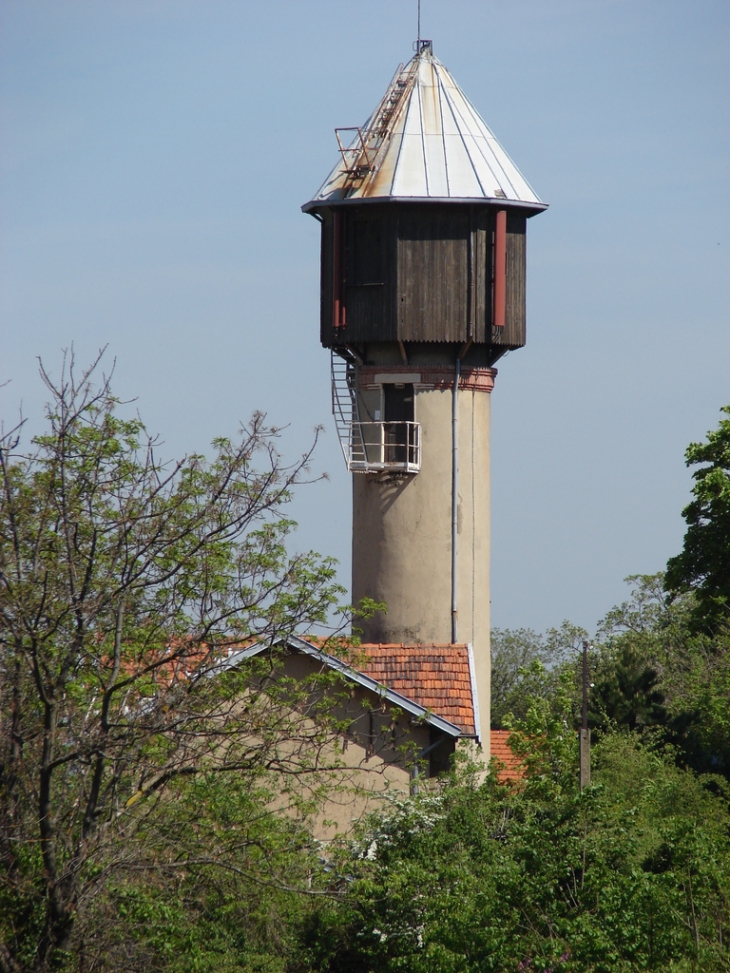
[(421, 46)]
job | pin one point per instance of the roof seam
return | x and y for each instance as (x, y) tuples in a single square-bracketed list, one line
[(493, 138), (443, 141), (454, 112)]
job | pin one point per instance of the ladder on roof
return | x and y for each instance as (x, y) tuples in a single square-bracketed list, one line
[(363, 155)]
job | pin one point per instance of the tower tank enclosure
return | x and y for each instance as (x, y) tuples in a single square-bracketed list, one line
[(423, 279)]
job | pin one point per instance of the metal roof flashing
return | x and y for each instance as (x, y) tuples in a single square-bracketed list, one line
[(474, 693), (314, 206), (424, 142)]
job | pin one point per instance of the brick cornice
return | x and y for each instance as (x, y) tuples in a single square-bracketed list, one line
[(472, 379)]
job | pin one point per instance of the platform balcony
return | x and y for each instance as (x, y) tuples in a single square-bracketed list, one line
[(383, 447)]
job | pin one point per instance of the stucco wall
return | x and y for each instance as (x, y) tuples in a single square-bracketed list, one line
[(402, 527), (370, 757)]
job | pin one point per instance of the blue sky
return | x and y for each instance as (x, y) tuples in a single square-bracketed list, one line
[(154, 158)]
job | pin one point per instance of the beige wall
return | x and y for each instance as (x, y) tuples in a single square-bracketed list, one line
[(371, 758), (401, 551)]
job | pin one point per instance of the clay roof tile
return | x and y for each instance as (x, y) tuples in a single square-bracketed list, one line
[(435, 676)]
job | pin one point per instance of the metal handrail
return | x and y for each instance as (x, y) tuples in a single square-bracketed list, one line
[(384, 447)]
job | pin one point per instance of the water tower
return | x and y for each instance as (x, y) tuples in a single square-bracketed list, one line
[(422, 291)]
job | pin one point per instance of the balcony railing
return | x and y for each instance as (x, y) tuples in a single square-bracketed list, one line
[(384, 446)]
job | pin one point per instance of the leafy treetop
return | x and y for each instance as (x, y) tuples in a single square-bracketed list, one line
[(703, 566)]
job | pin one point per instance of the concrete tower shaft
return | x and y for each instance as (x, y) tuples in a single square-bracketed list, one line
[(402, 525)]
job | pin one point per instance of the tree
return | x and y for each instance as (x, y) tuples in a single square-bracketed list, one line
[(514, 652), (626, 693), (125, 584), (631, 874), (652, 668), (199, 911), (703, 566)]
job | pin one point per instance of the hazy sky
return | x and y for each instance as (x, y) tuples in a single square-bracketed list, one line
[(154, 158)]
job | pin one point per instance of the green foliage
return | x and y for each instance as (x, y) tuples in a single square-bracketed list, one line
[(190, 909), (633, 874), (651, 668), (698, 687), (125, 584), (155, 800), (703, 566), (626, 694), (514, 651)]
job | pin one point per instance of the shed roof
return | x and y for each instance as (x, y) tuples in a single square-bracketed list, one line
[(424, 141)]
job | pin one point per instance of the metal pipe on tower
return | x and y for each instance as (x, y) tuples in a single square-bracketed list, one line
[(455, 501)]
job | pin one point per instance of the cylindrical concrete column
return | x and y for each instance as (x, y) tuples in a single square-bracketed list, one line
[(402, 526)]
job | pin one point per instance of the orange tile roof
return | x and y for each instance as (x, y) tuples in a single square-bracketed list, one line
[(509, 766), (438, 678), (434, 676)]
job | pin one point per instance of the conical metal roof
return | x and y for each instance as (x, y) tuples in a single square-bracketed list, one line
[(424, 141)]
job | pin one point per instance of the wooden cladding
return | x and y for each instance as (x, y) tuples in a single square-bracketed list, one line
[(432, 290), (499, 289), (515, 282), (339, 317), (423, 272)]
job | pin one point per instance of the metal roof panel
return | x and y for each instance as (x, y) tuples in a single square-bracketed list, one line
[(425, 140)]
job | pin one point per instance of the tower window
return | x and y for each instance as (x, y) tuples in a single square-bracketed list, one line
[(398, 415), (398, 403)]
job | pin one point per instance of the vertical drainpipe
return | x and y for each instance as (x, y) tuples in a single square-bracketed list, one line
[(454, 497)]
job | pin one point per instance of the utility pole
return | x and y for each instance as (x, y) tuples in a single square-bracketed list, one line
[(585, 733)]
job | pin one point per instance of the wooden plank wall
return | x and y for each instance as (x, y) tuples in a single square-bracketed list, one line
[(482, 242), (433, 273), (326, 331), (436, 264), (369, 278), (515, 309)]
